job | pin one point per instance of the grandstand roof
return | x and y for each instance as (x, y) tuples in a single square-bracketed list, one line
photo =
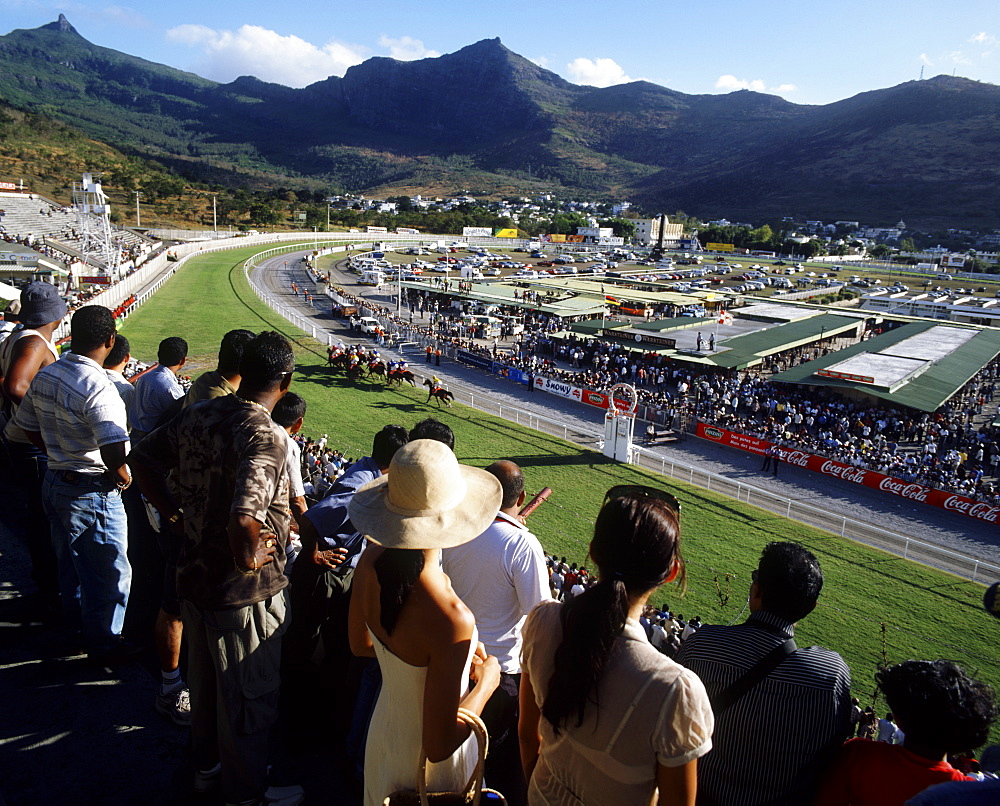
[(919, 365), (502, 294)]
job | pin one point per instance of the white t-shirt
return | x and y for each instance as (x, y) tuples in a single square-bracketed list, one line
[(501, 576), (293, 464)]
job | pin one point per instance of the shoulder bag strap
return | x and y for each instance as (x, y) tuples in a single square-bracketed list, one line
[(753, 676)]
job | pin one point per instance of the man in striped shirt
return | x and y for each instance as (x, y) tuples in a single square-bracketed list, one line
[(772, 743), (73, 412)]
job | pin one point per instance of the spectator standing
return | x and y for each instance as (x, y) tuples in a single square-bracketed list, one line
[(773, 744), (225, 378), (605, 718), (157, 389), (22, 354), (501, 576), (941, 711), (231, 510), (74, 413)]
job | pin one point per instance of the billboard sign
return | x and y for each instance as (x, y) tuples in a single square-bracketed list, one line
[(506, 233), (856, 475), (720, 247), (476, 232)]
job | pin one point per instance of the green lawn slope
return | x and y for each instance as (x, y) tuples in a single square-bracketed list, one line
[(875, 607)]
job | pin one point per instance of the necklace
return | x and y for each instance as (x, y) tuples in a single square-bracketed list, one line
[(258, 405)]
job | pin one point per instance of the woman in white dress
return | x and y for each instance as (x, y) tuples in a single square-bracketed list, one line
[(405, 613), (605, 718)]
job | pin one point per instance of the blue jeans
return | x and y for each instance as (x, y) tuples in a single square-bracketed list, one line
[(90, 536)]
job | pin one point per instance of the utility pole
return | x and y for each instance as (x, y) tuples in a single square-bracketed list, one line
[(215, 218), (138, 221)]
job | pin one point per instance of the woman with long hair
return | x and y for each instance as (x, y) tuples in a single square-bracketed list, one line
[(405, 613), (605, 718)]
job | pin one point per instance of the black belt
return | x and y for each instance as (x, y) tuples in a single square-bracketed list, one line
[(102, 481)]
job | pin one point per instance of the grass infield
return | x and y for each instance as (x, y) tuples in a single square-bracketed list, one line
[(875, 607)]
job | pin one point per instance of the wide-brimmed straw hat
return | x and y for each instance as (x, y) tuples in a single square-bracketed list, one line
[(427, 500)]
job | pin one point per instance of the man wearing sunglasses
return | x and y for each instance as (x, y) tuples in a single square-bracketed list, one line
[(780, 711)]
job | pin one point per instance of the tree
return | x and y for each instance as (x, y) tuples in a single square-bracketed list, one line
[(880, 251), (907, 245)]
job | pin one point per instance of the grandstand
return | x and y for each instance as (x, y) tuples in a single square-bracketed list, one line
[(55, 230)]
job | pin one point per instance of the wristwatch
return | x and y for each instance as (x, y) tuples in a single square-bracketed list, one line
[(176, 516)]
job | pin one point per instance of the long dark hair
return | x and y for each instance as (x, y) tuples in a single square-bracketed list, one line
[(397, 571), (636, 545)]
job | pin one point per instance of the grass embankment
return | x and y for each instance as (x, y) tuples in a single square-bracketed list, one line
[(875, 607)]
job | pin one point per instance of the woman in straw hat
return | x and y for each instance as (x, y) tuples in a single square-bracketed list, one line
[(405, 613), (605, 718)]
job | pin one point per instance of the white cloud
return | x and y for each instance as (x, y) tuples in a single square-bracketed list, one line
[(596, 72), (957, 57), (266, 54), (730, 83), (541, 61), (983, 38), (406, 48), (925, 59)]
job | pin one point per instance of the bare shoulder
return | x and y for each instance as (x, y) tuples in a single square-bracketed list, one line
[(447, 618)]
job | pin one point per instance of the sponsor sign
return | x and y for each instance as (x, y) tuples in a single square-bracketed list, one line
[(856, 475), (17, 256), (611, 240), (475, 360), (646, 339), (506, 233), (953, 261), (96, 280), (476, 232), (602, 400), (8, 186), (720, 247), (556, 238), (558, 388)]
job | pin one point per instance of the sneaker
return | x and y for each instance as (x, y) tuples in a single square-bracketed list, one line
[(175, 706), (207, 780)]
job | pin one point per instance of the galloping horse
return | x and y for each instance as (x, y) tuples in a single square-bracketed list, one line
[(377, 368), (399, 375), (438, 393), (355, 371)]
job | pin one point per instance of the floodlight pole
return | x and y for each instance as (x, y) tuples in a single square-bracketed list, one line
[(138, 221)]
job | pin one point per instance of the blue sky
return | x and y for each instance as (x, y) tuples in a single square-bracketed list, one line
[(807, 52)]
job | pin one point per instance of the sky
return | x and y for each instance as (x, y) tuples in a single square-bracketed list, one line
[(807, 52)]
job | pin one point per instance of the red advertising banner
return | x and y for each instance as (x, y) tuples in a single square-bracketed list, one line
[(8, 186), (856, 475), (96, 280)]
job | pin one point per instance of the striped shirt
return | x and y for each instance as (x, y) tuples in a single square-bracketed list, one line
[(76, 408), (773, 743)]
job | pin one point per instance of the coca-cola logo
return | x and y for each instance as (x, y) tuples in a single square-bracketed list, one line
[(797, 458), (915, 492), (714, 433), (846, 472), (974, 509)]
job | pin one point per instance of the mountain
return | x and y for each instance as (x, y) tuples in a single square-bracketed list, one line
[(486, 119)]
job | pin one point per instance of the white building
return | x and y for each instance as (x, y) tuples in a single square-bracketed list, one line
[(647, 232)]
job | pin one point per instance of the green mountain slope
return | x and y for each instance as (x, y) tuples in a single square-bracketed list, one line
[(486, 118)]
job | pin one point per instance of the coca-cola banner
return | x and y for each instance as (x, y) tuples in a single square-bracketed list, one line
[(856, 475)]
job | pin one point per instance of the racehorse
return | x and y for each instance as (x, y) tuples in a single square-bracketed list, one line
[(439, 394), (377, 368), (340, 362), (355, 371), (400, 375)]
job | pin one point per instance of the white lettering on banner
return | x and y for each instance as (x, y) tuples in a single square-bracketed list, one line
[(8, 186), (915, 492), (797, 458), (974, 509), (845, 472)]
